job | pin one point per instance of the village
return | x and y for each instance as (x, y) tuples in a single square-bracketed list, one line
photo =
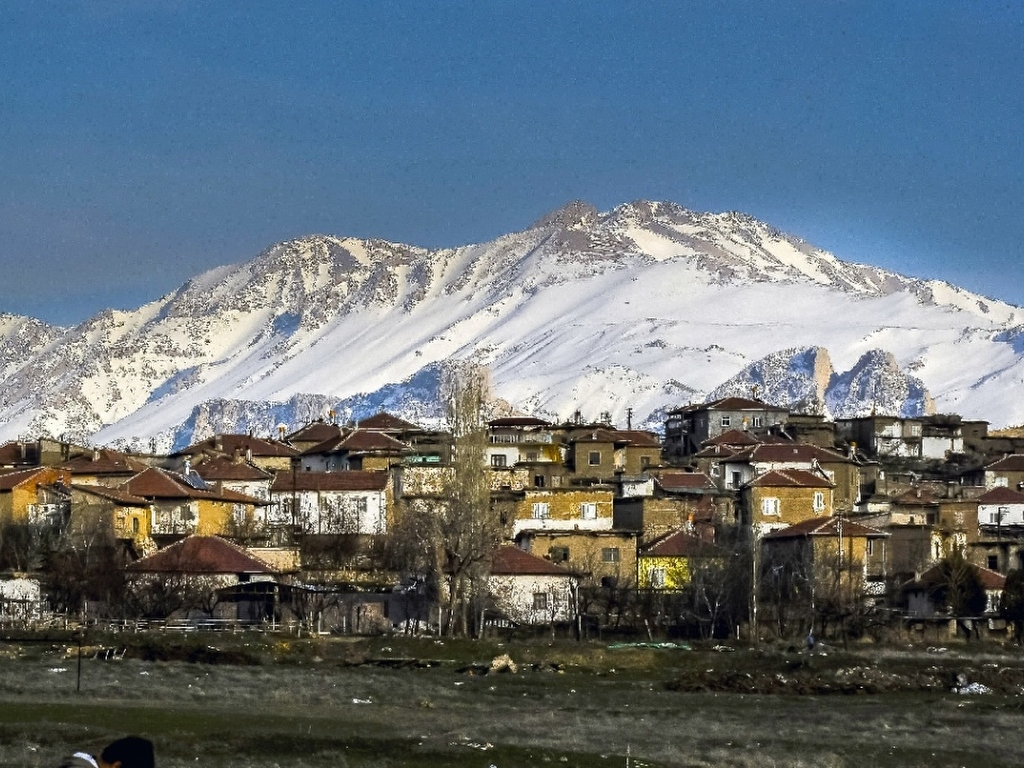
[(742, 520)]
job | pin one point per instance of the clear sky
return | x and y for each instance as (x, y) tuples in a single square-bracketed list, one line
[(143, 141)]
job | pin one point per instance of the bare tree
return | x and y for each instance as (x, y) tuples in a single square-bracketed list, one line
[(447, 539)]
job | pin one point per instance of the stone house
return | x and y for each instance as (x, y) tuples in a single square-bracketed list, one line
[(687, 428), (781, 498)]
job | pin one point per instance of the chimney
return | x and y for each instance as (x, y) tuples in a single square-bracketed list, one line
[(95, 454)]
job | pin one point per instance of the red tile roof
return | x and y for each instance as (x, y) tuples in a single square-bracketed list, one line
[(681, 544), (330, 481), (790, 478), (827, 526), (512, 561), (201, 555)]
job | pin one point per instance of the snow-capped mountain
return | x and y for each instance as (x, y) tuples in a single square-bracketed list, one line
[(645, 307)]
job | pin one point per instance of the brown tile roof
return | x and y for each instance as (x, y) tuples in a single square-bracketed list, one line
[(512, 561), (104, 462), (637, 437), (228, 444), (685, 481), (594, 436), (681, 544), (916, 496), (789, 451), (330, 481), (201, 555), (1012, 463), (10, 480), (156, 483), (827, 526), (385, 422), (316, 432), (730, 404), (717, 452), (214, 468), (113, 494), (789, 478), (733, 437), (360, 441), (1001, 496), (19, 452), (518, 421), (989, 579)]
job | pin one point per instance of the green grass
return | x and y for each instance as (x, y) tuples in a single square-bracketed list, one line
[(318, 703)]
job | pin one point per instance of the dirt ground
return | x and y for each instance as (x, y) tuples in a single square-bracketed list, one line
[(265, 701)]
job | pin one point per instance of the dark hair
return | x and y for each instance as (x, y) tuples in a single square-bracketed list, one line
[(131, 752)]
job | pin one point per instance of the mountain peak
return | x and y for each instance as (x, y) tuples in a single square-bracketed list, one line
[(569, 215)]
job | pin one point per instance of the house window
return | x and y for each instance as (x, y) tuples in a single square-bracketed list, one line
[(540, 601), (993, 562), (819, 501), (735, 483), (538, 481), (1000, 482), (558, 554), (757, 421), (531, 455), (588, 510), (498, 460), (594, 459), (869, 547), (541, 510), (135, 525), (645, 462), (610, 555), (770, 506), (656, 577), (726, 421), (715, 470)]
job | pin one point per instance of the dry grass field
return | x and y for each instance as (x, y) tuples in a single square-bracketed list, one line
[(259, 701)]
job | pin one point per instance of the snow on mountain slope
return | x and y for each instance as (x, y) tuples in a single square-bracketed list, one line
[(647, 306)]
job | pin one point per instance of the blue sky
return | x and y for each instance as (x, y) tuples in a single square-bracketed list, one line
[(144, 141)]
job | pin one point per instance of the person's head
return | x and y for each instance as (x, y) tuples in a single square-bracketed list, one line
[(129, 752)]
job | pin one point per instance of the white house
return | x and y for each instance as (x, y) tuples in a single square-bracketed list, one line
[(529, 589), (330, 502)]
